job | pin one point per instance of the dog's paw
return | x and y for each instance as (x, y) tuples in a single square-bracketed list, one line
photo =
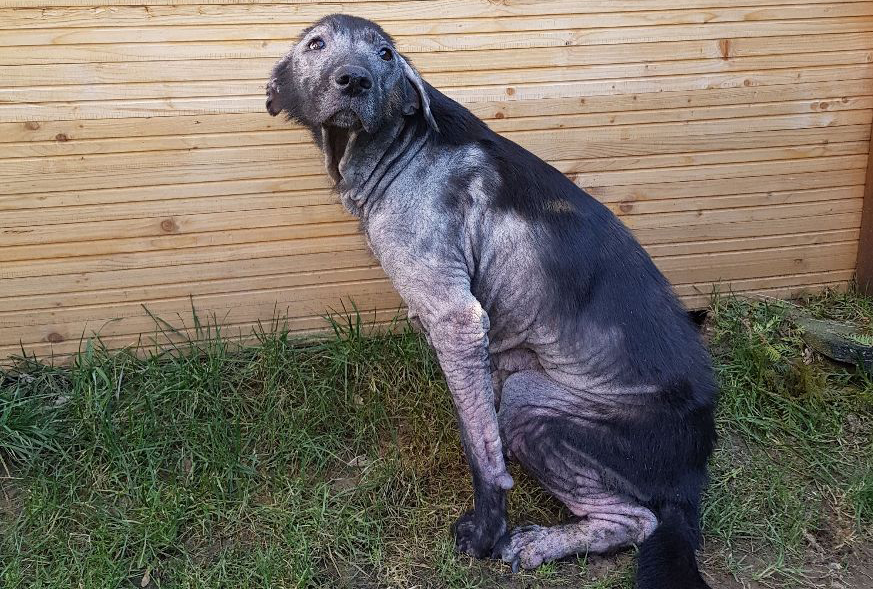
[(476, 534), (521, 547), (273, 103)]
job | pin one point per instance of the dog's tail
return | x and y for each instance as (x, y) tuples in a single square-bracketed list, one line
[(667, 559)]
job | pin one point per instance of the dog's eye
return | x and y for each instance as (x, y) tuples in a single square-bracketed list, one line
[(386, 54), (316, 44)]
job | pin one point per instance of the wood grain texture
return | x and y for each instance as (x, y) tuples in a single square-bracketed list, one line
[(538, 100), (414, 8), (138, 169), (286, 25), (864, 273)]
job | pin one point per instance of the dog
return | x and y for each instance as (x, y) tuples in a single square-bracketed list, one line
[(563, 346)]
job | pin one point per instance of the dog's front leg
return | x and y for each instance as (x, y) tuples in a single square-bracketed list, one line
[(459, 334)]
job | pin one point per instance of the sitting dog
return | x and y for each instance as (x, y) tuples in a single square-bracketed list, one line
[(562, 344)]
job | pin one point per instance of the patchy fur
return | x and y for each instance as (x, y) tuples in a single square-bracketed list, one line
[(538, 302)]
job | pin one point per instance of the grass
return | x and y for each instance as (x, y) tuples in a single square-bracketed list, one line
[(795, 465), (337, 464)]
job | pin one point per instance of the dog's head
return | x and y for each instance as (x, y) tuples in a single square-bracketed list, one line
[(345, 72)]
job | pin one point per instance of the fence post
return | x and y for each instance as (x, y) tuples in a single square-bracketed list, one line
[(864, 266)]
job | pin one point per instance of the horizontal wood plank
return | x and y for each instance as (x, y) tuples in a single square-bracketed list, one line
[(184, 14), (23, 121), (290, 26), (220, 197), (693, 295), (631, 194), (159, 337), (115, 206), (253, 85), (29, 175), (739, 244), (72, 142), (528, 35), (731, 53), (243, 262), (143, 285), (71, 239), (782, 292), (125, 319), (720, 267)]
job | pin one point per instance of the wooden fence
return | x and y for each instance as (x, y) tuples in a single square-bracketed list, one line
[(138, 167)]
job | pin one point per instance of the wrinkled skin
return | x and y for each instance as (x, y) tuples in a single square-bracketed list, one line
[(310, 70), (560, 341)]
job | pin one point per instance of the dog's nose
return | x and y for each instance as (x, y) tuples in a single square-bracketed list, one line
[(352, 80)]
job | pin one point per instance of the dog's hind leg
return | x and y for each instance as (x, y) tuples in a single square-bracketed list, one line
[(631, 473), (530, 546), (538, 419), (620, 525)]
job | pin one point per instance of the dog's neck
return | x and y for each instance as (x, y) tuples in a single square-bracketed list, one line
[(362, 164)]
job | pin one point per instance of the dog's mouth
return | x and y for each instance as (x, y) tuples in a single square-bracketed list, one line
[(336, 139), (345, 118), (354, 113), (338, 131)]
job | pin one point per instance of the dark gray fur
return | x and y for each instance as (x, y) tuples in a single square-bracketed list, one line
[(560, 341)]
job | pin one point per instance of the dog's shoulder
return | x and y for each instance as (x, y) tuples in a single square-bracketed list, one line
[(517, 180)]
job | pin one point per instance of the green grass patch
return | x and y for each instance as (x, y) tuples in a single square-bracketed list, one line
[(289, 463), (795, 460)]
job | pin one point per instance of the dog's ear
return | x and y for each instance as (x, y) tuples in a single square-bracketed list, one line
[(278, 89), (274, 102), (416, 97)]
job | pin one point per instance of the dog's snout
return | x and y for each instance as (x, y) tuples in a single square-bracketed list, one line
[(352, 80)]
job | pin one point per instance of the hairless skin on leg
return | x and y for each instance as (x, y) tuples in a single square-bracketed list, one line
[(611, 519)]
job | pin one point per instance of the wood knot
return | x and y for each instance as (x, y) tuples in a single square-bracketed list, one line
[(626, 207), (724, 48), (54, 337), (169, 226), (31, 125), (499, 115), (62, 137), (510, 91)]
